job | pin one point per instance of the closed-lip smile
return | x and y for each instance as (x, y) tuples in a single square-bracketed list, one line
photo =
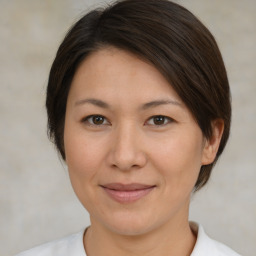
[(127, 193)]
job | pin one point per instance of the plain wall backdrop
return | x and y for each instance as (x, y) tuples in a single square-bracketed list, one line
[(37, 203)]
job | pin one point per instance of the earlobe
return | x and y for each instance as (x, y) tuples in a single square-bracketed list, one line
[(211, 145)]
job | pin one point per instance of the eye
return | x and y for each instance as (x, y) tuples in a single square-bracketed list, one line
[(159, 120), (95, 120)]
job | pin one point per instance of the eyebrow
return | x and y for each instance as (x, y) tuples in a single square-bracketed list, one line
[(157, 103), (145, 106), (95, 102)]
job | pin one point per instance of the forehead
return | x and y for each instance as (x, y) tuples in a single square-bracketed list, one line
[(111, 70)]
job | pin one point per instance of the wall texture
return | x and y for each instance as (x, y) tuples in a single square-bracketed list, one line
[(37, 203)]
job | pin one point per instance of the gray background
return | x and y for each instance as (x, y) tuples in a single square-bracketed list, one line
[(37, 203)]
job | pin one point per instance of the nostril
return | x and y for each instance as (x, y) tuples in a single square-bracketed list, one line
[(127, 163), (126, 153)]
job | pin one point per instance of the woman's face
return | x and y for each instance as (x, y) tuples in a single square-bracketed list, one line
[(132, 147)]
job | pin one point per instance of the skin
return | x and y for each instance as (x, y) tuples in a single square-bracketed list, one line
[(126, 145)]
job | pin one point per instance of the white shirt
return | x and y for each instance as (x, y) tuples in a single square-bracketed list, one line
[(73, 246)]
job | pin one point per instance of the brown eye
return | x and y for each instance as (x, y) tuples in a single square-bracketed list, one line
[(95, 120), (98, 120), (159, 120)]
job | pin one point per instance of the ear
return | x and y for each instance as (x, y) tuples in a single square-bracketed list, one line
[(211, 145)]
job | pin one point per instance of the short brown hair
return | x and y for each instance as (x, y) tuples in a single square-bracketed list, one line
[(163, 33)]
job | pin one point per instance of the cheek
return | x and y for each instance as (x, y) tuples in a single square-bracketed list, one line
[(178, 158), (82, 156), (79, 159)]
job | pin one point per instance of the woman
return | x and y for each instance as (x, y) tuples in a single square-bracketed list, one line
[(138, 106)]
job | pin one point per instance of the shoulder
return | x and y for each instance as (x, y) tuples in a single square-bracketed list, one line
[(70, 245), (208, 246)]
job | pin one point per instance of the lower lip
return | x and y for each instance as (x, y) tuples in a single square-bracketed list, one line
[(127, 196)]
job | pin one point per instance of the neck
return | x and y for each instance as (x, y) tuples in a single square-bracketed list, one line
[(176, 238)]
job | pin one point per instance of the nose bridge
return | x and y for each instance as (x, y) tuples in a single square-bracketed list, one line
[(126, 150)]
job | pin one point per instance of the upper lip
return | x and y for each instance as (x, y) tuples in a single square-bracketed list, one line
[(126, 187)]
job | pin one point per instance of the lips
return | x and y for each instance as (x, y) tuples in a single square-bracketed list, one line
[(127, 193)]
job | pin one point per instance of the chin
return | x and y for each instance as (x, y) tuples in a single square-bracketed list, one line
[(132, 230), (131, 225)]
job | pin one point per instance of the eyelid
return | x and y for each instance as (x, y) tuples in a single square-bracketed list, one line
[(167, 118), (86, 120)]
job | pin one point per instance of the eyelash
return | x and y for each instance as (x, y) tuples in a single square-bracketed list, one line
[(166, 119), (91, 117), (90, 120)]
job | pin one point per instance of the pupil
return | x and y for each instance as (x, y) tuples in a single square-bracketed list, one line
[(98, 120), (159, 120)]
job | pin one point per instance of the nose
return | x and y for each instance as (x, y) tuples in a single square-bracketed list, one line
[(126, 151)]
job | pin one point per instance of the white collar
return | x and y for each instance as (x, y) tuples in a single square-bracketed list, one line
[(207, 246), (73, 245)]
